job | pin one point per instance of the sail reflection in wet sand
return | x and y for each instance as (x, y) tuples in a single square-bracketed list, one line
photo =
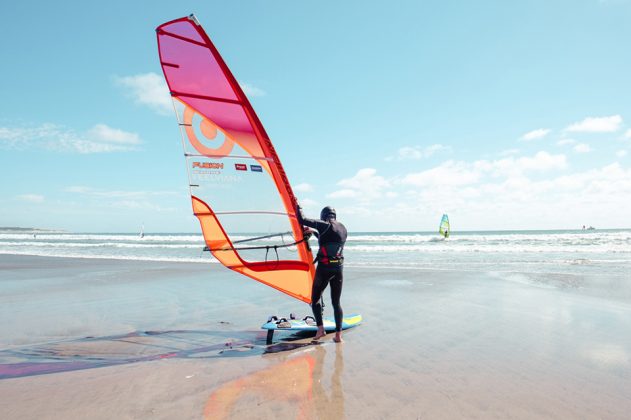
[(297, 387)]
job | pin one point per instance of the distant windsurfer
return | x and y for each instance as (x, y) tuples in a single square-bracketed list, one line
[(331, 238)]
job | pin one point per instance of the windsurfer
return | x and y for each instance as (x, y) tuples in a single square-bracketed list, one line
[(331, 238)]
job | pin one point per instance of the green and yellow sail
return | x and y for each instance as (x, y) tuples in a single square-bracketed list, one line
[(444, 229)]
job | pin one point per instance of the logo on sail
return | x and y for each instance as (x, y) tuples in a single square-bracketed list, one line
[(211, 133), (208, 165)]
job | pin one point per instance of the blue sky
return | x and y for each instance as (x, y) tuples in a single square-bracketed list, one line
[(506, 115)]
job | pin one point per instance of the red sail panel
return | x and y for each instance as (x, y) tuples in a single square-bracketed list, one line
[(239, 190)]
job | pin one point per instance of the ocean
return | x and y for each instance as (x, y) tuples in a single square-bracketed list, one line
[(553, 251)]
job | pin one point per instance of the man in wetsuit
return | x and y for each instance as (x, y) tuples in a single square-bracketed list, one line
[(331, 238)]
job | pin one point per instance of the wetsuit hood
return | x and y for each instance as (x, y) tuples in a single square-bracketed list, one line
[(327, 213)]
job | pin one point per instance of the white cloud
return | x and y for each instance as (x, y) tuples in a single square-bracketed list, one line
[(582, 148), (449, 173), (78, 189), (149, 89), (509, 152), (345, 193), (565, 142), (21, 137), (621, 153), (627, 135), (119, 199), (597, 125), (135, 195), (303, 187), (516, 192), (31, 198), (362, 177), (417, 152), (366, 185), (99, 139), (535, 134), (486, 202), (104, 133), (540, 162), (454, 174), (307, 203), (251, 91), (610, 179)]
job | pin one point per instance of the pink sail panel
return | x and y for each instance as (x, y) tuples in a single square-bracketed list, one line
[(239, 190)]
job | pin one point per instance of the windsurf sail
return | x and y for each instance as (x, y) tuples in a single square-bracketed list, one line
[(444, 229), (239, 190)]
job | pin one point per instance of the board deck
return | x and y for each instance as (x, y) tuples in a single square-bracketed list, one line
[(300, 325)]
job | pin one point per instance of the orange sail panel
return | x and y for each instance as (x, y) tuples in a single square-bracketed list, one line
[(239, 190)]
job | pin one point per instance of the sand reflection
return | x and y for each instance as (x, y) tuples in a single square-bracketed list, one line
[(301, 386)]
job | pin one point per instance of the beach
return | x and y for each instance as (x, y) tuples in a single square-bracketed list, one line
[(102, 338)]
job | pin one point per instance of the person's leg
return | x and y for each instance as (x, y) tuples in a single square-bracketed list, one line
[(336, 294), (319, 284)]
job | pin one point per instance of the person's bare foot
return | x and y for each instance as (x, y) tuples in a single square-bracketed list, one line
[(338, 337), (321, 333)]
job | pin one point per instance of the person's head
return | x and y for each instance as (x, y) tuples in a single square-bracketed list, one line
[(327, 213)]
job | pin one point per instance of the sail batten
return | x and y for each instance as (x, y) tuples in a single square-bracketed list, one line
[(192, 41), (210, 98), (239, 183)]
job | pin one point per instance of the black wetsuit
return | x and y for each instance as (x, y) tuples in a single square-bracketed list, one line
[(331, 238)]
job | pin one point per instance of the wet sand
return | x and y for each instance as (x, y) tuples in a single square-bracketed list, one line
[(176, 340)]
